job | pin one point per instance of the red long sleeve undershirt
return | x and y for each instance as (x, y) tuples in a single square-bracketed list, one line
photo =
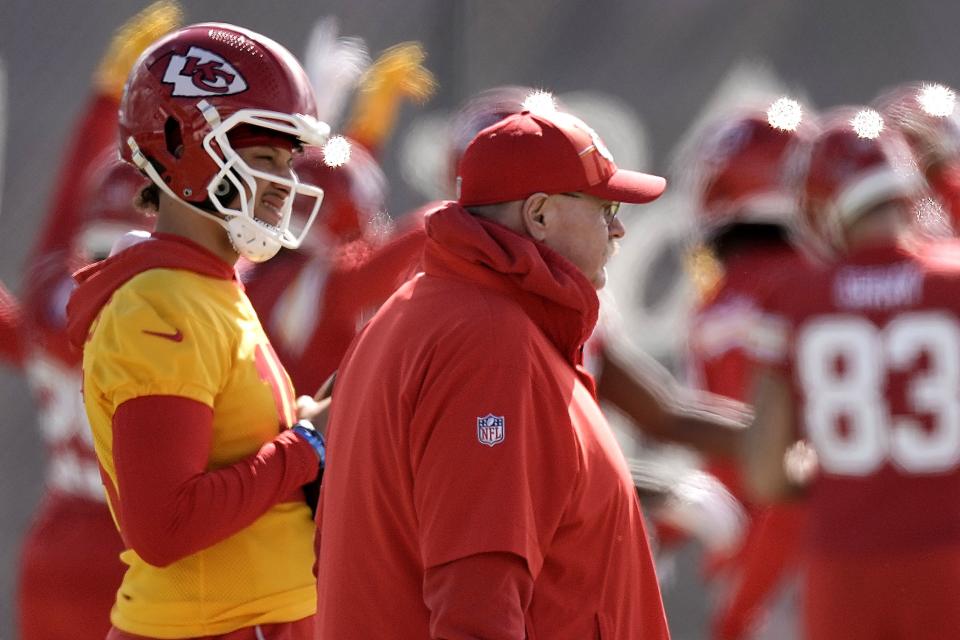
[(170, 505), (480, 596)]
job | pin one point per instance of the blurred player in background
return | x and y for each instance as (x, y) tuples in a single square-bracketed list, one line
[(191, 412), (70, 568), (70, 565), (862, 359), (745, 213), (312, 301)]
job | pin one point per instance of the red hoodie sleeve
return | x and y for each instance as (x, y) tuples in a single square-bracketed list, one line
[(481, 596), (170, 505)]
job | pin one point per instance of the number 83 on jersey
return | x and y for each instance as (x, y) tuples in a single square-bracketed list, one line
[(846, 407)]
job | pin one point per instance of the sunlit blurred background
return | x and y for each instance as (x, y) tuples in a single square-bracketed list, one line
[(643, 73)]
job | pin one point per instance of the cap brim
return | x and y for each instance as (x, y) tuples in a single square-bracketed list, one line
[(629, 186)]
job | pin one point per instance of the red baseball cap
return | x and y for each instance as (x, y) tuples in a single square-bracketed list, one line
[(554, 153)]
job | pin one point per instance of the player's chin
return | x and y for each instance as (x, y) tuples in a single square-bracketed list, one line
[(599, 280)]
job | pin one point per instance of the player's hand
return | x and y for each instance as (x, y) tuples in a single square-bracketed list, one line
[(316, 411), (700, 505), (800, 463), (689, 500), (130, 40)]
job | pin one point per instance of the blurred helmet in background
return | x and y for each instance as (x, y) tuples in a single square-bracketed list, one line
[(354, 196), (108, 207), (854, 164), (740, 169)]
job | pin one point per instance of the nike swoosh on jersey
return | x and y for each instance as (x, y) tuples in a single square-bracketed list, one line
[(177, 336)]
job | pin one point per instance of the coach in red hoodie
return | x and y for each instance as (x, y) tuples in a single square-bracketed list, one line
[(473, 489)]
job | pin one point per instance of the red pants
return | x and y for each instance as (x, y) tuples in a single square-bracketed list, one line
[(299, 630), (889, 597), (70, 571)]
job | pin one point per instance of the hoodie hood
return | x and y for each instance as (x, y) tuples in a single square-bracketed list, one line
[(97, 282), (551, 290)]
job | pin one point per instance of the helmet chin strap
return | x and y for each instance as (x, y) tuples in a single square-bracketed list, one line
[(246, 235)]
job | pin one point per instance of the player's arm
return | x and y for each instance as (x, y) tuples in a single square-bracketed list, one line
[(96, 128), (316, 408), (650, 397), (170, 504), (497, 582), (769, 438), (169, 500), (487, 512)]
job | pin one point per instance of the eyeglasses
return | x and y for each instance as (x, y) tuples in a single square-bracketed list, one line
[(610, 209)]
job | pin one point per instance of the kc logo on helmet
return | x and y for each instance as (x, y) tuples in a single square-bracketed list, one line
[(490, 429), (202, 73)]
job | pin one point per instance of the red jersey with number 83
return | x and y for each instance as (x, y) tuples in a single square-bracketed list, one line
[(871, 346)]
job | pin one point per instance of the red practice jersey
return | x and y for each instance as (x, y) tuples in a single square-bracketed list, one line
[(312, 306), (720, 332), (871, 347), (720, 363)]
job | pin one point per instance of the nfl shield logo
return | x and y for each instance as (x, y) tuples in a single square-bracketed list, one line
[(490, 429)]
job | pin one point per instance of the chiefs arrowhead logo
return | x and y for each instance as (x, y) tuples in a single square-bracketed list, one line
[(202, 73)]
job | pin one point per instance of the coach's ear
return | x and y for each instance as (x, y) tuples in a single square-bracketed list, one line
[(535, 215)]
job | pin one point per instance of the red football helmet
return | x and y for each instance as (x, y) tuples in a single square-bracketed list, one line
[(854, 164), (107, 206), (184, 96), (740, 169), (354, 194)]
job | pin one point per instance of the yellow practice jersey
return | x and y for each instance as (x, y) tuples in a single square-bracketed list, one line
[(173, 332)]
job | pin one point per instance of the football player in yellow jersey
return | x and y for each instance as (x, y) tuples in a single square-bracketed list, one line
[(193, 417)]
